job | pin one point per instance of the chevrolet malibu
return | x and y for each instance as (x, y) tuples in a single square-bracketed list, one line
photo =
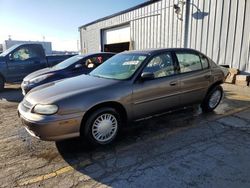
[(128, 87)]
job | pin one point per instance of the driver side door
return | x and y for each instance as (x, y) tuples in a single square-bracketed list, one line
[(18, 64), (160, 93)]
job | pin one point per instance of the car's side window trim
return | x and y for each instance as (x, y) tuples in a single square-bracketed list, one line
[(201, 55), (176, 62)]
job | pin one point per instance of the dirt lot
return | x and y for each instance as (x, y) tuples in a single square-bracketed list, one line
[(180, 149)]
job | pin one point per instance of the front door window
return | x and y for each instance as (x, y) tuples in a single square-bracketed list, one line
[(94, 61), (21, 54), (24, 53), (161, 65)]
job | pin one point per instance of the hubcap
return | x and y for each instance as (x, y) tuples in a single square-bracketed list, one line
[(104, 127), (215, 99)]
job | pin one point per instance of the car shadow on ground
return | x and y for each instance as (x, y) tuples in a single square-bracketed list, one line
[(83, 157), (134, 131), (96, 162), (11, 95)]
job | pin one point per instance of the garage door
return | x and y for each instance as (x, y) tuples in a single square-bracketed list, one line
[(116, 39)]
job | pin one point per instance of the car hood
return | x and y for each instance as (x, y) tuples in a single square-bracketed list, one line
[(39, 73), (54, 91)]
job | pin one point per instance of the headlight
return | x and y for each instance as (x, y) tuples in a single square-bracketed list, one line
[(45, 109), (40, 78)]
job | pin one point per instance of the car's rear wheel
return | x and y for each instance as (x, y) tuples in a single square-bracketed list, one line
[(102, 126), (212, 99), (1, 83)]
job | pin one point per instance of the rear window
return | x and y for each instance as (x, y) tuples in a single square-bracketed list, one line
[(189, 62)]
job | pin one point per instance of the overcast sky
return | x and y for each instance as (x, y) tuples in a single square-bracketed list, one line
[(55, 20)]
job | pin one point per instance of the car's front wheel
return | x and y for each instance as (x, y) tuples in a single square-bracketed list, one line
[(212, 99), (102, 126)]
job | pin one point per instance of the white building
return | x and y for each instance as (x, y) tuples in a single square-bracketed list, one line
[(218, 28)]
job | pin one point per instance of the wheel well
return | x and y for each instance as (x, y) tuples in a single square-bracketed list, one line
[(211, 87), (117, 106), (214, 84)]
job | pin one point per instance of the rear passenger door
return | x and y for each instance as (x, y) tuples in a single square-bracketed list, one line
[(194, 76)]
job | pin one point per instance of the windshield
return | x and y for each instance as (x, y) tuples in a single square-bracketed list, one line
[(119, 67), (8, 50), (68, 62)]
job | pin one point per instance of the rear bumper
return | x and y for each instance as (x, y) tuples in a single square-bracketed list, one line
[(50, 128)]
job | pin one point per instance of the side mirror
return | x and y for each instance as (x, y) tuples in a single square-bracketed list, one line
[(11, 57), (77, 66), (147, 76)]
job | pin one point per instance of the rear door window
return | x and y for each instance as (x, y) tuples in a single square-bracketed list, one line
[(188, 62)]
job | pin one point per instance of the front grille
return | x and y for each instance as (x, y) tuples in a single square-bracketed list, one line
[(27, 124)]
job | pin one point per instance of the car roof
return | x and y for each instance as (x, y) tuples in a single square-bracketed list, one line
[(98, 53), (154, 51)]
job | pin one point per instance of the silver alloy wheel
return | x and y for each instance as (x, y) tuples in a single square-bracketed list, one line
[(215, 99), (104, 127)]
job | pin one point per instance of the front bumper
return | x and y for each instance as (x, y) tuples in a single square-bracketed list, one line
[(53, 128)]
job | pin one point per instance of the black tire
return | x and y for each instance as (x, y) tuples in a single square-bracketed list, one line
[(1, 83), (88, 127), (206, 106)]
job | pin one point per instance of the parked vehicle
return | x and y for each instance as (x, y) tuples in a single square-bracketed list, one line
[(20, 60), (128, 87), (74, 66)]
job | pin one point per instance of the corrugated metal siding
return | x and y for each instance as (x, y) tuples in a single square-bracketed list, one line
[(218, 28), (149, 27), (224, 34)]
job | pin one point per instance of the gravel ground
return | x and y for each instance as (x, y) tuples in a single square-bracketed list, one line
[(180, 149)]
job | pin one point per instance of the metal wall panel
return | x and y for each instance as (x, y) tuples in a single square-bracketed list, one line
[(218, 28), (149, 27), (224, 34), (245, 48), (211, 27), (238, 34)]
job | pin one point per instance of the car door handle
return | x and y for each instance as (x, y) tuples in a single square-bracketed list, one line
[(173, 83)]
